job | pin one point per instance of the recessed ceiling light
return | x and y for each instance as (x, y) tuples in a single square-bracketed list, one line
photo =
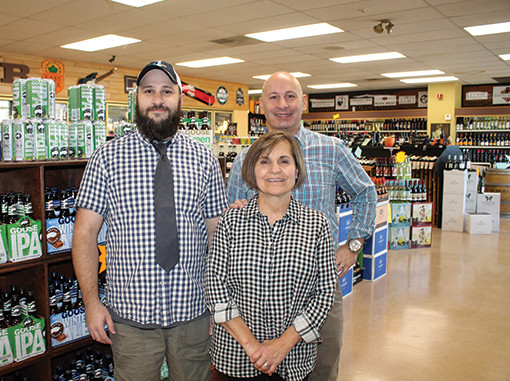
[(295, 32), (100, 43), (210, 62), (332, 85), (481, 30), (504, 56), (368, 57), (137, 3), (296, 74), (417, 73), (255, 91), (430, 79)]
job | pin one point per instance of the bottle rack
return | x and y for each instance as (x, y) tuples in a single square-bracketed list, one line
[(483, 133), (32, 177)]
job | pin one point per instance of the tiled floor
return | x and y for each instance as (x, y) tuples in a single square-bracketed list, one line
[(439, 314)]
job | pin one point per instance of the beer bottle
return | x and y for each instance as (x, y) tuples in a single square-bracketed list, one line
[(20, 206), (11, 209), (50, 207), (3, 323), (67, 304), (23, 302), (53, 300), (108, 361), (27, 203), (15, 318), (4, 218), (64, 204), (31, 306), (6, 305)]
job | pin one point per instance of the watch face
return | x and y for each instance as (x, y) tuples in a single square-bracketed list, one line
[(355, 245)]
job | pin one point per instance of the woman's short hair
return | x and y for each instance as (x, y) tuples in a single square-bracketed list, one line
[(266, 143)]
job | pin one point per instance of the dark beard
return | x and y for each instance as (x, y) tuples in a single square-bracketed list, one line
[(161, 130)]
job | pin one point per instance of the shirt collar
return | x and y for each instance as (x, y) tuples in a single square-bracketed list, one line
[(177, 137), (292, 213), (301, 136)]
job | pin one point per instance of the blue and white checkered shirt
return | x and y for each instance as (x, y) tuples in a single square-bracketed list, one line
[(118, 183), (328, 164)]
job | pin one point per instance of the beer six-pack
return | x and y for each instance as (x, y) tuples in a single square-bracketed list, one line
[(87, 102), (67, 311), (21, 329), (20, 234)]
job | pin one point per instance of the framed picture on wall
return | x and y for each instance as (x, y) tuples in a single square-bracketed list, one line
[(129, 83)]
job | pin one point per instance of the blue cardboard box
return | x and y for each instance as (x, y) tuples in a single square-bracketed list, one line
[(375, 266), (344, 223), (346, 283), (378, 242)]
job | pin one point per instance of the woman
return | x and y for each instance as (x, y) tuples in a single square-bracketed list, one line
[(270, 275)]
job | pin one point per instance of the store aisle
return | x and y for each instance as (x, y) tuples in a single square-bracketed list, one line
[(439, 314)]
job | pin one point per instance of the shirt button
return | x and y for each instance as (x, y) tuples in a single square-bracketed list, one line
[(269, 259), (162, 283)]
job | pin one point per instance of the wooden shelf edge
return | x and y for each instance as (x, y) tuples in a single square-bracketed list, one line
[(482, 111), (373, 114)]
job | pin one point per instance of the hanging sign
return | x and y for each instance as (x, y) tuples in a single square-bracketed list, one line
[(53, 69)]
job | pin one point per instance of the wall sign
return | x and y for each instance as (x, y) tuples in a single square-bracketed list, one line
[(129, 83), (55, 70), (342, 102), (222, 95), (240, 97)]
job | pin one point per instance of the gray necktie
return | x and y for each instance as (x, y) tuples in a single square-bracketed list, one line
[(167, 242)]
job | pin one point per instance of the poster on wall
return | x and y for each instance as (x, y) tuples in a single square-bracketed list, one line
[(501, 95), (322, 103), (423, 99), (385, 100), (362, 101), (342, 102), (407, 99)]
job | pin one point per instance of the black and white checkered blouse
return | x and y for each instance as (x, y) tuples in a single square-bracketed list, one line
[(272, 277)]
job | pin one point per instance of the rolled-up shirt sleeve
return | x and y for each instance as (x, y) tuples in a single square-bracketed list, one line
[(308, 323), (217, 297)]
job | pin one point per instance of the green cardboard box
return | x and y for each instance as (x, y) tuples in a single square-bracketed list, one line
[(24, 239)]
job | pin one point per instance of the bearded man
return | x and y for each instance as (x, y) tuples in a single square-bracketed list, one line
[(160, 194)]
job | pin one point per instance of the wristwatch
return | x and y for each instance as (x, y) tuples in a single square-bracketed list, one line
[(354, 245)]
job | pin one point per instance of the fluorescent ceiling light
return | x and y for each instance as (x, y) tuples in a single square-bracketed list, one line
[(296, 74), (418, 73), (210, 62), (100, 43), (504, 56), (481, 30), (295, 32), (332, 85), (255, 91), (368, 57), (430, 79), (137, 3)]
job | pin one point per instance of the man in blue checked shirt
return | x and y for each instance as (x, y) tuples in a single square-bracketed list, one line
[(152, 311), (328, 164)]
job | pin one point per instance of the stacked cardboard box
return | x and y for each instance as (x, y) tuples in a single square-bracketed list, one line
[(454, 200), (421, 224), (375, 250)]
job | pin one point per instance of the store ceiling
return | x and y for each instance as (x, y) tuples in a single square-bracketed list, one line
[(429, 32)]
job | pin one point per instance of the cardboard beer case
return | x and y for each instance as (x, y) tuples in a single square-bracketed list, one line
[(22, 341), (4, 244), (24, 238)]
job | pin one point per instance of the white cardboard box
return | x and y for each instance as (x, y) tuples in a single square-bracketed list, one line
[(490, 203), (478, 223), (470, 202), (453, 202), (454, 181), (453, 222), (471, 182)]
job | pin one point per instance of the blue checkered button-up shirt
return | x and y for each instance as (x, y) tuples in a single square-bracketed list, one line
[(118, 183), (328, 164)]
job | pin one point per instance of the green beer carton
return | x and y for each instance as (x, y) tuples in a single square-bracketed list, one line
[(24, 239), (6, 355), (27, 338), (4, 245)]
